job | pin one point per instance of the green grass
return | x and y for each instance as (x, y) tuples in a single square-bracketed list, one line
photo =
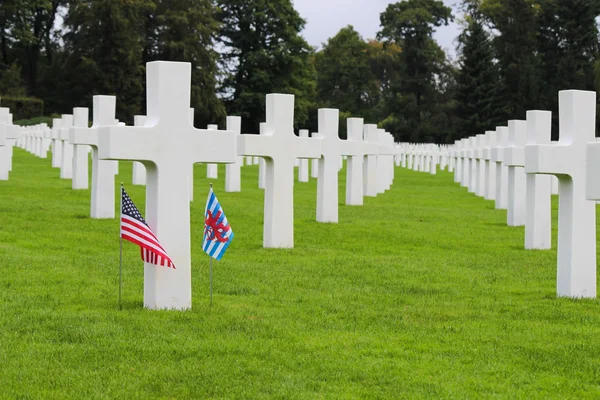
[(423, 292)]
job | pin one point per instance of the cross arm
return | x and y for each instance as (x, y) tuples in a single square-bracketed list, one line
[(349, 147), (127, 143), (86, 136), (514, 156), (222, 149), (307, 148), (592, 166), (13, 131), (546, 159), (2, 135), (252, 145)]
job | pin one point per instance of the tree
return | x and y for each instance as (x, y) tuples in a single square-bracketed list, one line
[(104, 43), (567, 41), (28, 25), (263, 52), (413, 99), (477, 78), (185, 30), (345, 79), (515, 47)]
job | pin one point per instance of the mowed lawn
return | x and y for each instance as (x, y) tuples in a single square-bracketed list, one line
[(423, 292)]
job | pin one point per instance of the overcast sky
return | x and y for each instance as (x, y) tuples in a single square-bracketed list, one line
[(326, 17)]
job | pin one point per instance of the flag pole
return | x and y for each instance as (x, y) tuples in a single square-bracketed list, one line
[(211, 262), (120, 253)]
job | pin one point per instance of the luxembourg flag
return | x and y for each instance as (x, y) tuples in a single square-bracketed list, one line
[(217, 232)]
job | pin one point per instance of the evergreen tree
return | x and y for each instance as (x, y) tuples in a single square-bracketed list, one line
[(104, 45), (26, 34), (345, 79), (477, 80), (263, 53), (413, 99), (515, 47), (568, 49), (185, 30)]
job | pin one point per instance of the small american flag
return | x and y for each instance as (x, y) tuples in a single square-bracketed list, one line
[(137, 231)]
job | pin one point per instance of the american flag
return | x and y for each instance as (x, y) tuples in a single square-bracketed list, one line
[(137, 231)]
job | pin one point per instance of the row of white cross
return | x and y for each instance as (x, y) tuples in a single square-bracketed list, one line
[(166, 145), (514, 165)]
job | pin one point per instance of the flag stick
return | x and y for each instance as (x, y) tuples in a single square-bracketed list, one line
[(121, 253), (211, 260)]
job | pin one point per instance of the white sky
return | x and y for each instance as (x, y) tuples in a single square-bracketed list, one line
[(326, 17)]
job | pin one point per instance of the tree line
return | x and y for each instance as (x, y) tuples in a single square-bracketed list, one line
[(512, 56)]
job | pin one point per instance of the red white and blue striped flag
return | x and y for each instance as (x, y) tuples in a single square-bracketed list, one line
[(217, 232), (137, 231)]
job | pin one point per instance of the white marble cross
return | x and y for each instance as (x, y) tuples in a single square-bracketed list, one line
[(538, 223), (576, 275), (370, 162), (80, 152), (168, 145), (355, 163), (457, 160), (57, 143), (138, 169), (314, 163), (280, 147), (473, 167), (332, 148), (3, 146), (497, 157), (66, 166), (212, 170), (481, 172), (514, 159), (466, 164), (490, 167), (233, 179), (262, 166), (303, 165), (102, 204)]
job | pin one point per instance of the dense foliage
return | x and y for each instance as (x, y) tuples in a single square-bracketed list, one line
[(512, 55)]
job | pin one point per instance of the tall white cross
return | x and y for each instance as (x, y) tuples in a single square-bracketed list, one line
[(57, 143), (262, 166), (370, 164), (473, 167), (3, 148), (303, 166), (466, 164), (233, 180), (332, 148), (66, 166), (168, 145), (314, 163), (538, 223), (501, 169), (457, 160), (102, 204), (355, 164), (481, 141), (514, 159), (280, 147), (80, 152), (212, 170), (576, 215), (138, 169), (490, 167)]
